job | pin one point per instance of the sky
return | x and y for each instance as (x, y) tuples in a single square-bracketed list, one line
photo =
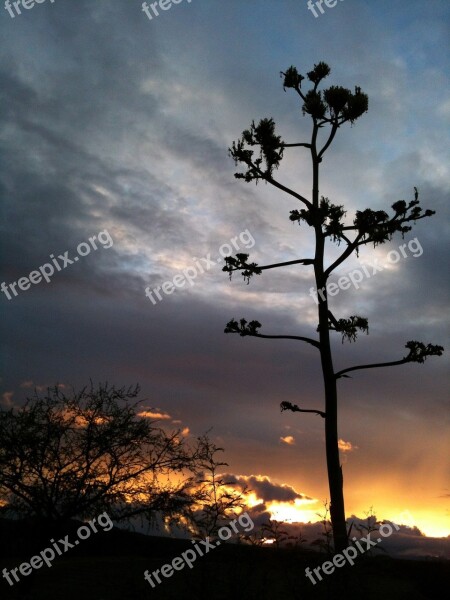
[(118, 126)]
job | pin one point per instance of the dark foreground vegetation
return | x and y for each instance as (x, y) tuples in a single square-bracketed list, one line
[(110, 566)]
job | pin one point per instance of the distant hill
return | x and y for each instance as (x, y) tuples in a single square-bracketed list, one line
[(110, 566)]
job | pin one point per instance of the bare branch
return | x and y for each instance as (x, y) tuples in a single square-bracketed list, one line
[(330, 139), (282, 187), (251, 329), (295, 145), (418, 352), (371, 366), (300, 261), (239, 263), (295, 408), (314, 343), (347, 252)]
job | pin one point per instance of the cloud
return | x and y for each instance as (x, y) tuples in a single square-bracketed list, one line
[(26, 384), (7, 401), (288, 439), (157, 415), (346, 446), (265, 489)]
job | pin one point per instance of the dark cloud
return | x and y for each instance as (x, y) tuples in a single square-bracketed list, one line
[(264, 489)]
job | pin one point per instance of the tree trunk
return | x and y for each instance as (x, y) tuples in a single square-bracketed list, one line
[(335, 479)]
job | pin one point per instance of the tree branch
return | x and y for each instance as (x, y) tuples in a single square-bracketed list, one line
[(239, 265), (251, 329), (287, 190), (372, 366), (347, 252), (294, 145), (300, 261), (418, 352), (330, 139), (295, 408), (333, 318), (268, 178), (290, 337)]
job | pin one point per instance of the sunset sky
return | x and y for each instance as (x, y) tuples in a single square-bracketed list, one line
[(112, 121)]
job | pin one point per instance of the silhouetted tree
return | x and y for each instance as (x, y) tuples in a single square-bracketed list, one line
[(325, 541), (273, 530), (73, 457), (329, 110), (365, 529), (216, 499)]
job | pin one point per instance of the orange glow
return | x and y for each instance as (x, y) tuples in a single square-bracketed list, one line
[(289, 440), (294, 512), (415, 502), (429, 523), (252, 500)]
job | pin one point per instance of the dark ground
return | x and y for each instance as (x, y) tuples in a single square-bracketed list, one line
[(110, 565)]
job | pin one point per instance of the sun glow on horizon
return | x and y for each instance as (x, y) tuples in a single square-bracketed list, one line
[(428, 522), (294, 512)]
